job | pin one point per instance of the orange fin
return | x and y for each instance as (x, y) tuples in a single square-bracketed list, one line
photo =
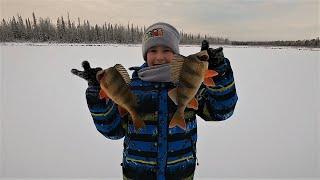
[(102, 94), (209, 82), (122, 111), (210, 73), (137, 121), (173, 95), (178, 120), (193, 104)]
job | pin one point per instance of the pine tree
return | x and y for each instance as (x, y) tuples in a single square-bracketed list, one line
[(35, 29), (59, 32), (28, 30), (6, 34), (21, 28), (14, 29)]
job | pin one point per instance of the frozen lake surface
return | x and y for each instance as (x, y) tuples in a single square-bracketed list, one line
[(47, 131)]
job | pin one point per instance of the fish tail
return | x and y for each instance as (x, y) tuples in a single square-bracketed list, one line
[(178, 120), (137, 120)]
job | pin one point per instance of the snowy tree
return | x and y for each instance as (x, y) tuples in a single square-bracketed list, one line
[(5, 32)]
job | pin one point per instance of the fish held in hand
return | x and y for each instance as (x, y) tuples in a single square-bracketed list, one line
[(188, 73), (114, 85)]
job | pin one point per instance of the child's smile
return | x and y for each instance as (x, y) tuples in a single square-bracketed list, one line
[(159, 55)]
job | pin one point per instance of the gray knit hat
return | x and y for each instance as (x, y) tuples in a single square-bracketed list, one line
[(160, 34)]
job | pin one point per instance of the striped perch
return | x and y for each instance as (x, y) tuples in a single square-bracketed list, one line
[(189, 72)]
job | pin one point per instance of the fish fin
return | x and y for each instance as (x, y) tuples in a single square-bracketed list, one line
[(176, 66), (173, 95), (210, 73), (103, 95), (193, 104), (123, 72), (179, 57), (209, 82), (137, 121), (178, 120), (122, 111)]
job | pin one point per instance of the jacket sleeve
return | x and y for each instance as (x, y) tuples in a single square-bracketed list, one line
[(218, 103), (105, 114)]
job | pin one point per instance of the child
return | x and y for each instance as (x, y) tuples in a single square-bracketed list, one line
[(157, 151)]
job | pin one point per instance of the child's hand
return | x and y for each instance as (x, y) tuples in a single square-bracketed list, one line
[(89, 74), (216, 56)]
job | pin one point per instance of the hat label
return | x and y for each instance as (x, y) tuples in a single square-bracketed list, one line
[(158, 32)]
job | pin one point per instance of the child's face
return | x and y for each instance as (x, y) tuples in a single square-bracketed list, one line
[(159, 55)]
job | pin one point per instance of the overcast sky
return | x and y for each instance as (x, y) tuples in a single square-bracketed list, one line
[(233, 19)]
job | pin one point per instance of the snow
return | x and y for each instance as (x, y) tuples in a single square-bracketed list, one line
[(47, 131)]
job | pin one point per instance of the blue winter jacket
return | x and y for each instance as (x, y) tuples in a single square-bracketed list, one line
[(157, 151)]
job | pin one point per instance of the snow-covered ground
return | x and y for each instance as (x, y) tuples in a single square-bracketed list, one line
[(46, 129)]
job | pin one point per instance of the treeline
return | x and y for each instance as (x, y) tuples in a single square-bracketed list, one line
[(64, 30), (17, 29), (300, 43)]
